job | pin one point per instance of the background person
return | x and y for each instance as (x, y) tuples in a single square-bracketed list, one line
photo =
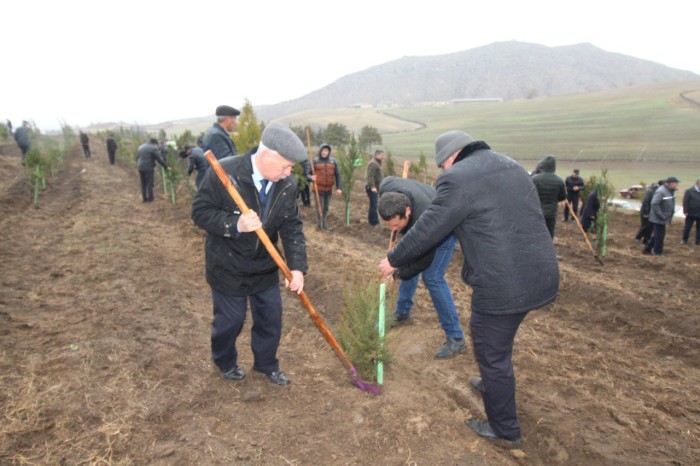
[(374, 177), (217, 138), (326, 175), (663, 206), (691, 209), (551, 190), (574, 187), (147, 156), (111, 149)]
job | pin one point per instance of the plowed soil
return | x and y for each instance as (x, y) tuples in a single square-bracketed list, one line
[(105, 359)]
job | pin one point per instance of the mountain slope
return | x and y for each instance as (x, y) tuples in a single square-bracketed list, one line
[(507, 70)]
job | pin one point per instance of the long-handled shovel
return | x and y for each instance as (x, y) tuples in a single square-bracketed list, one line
[(585, 236), (313, 172), (318, 320)]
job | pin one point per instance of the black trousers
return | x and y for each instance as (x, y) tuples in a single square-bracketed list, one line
[(229, 316), (111, 155), (689, 226), (574, 204), (325, 199), (492, 339), (146, 185), (372, 215), (657, 240), (305, 194), (551, 224), (645, 229), (86, 150)]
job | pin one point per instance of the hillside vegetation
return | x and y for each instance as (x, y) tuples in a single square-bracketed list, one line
[(646, 123)]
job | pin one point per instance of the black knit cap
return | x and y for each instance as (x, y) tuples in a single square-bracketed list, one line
[(226, 110)]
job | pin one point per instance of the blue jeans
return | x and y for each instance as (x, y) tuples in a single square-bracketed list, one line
[(434, 280)]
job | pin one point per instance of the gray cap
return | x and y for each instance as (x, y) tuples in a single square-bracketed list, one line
[(448, 143), (282, 140)]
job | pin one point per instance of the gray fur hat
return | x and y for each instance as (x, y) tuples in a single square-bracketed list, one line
[(448, 143), (282, 140)]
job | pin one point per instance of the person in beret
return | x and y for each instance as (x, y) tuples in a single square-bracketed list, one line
[(217, 138), (238, 267), (488, 201)]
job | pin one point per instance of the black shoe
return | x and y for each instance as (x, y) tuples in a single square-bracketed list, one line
[(482, 428), (278, 378), (235, 373), (648, 253), (450, 348), (477, 384), (400, 320)]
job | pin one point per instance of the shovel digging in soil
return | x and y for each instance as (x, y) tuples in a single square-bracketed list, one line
[(315, 316)]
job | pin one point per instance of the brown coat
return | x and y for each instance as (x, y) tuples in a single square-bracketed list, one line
[(374, 173)]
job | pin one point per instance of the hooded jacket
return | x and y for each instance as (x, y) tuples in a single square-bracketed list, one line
[(219, 142), (326, 171), (490, 203), (663, 206), (691, 202), (550, 188), (420, 196), (238, 263)]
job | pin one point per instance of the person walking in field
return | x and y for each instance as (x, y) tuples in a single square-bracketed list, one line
[(663, 206), (217, 138), (85, 143), (691, 210), (401, 204), (551, 190), (574, 187), (147, 156), (374, 178), (239, 269), (326, 175), (23, 139), (111, 149), (491, 205)]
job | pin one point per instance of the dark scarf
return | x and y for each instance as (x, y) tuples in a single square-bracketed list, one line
[(470, 149)]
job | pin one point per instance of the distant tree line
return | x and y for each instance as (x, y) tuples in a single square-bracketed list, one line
[(337, 135)]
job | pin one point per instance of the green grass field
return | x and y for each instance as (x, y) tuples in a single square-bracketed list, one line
[(649, 123)]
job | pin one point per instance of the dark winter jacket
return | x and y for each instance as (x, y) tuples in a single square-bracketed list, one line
[(84, 139), (420, 196), (197, 161), (571, 182), (147, 156), (550, 187), (592, 206), (645, 208), (327, 173), (22, 137), (219, 142), (374, 173), (691, 202), (490, 203), (663, 206), (111, 145), (238, 263)]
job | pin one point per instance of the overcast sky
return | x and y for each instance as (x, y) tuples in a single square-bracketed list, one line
[(150, 61)]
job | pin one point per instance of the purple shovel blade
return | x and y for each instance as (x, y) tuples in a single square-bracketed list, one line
[(364, 386)]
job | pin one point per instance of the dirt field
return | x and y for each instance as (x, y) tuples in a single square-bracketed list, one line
[(104, 347)]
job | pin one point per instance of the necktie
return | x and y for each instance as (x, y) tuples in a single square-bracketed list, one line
[(263, 191)]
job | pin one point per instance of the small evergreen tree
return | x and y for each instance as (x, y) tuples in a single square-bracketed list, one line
[(388, 166), (249, 130), (369, 135), (336, 134), (348, 162)]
